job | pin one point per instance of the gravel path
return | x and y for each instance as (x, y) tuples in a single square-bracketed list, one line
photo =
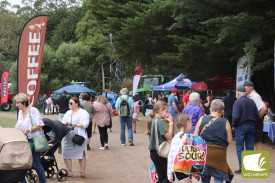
[(130, 164)]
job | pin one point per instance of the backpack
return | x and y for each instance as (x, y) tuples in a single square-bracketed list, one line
[(124, 107)]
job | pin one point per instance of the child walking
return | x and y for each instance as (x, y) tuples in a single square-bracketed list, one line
[(158, 114), (183, 124)]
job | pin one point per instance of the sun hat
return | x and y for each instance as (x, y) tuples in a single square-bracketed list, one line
[(124, 91)]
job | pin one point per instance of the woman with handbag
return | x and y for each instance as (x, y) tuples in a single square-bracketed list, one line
[(30, 122), (155, 124), (216, 131), (74, 144), (102, 117)]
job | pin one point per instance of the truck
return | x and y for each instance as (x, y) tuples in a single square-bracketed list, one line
[(147, 82), (111, 96), (6, 106)]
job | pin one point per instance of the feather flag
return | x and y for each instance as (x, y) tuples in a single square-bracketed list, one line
[(30, 56), (136, 79)]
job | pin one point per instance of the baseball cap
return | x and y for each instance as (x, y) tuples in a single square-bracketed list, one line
[(240, 88), (175, 90), (248, 83)]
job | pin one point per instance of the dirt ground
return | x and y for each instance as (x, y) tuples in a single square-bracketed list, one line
[(130, 164)]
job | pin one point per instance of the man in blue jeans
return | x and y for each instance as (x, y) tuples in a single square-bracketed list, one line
[(244, 117), (125, 120)]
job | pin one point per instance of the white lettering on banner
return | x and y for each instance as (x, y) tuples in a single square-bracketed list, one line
[(30, 52), (31, 75), (34, 40), (31, 92), (33, 52), (31, 62), (4, 92)]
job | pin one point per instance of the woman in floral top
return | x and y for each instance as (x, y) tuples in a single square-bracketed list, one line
[(30, 123)]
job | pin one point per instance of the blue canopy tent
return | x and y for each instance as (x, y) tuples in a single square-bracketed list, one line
[(75, 89), (180, 82)]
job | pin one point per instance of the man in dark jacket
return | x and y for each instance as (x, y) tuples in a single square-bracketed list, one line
[(63, 103), (244, 117)]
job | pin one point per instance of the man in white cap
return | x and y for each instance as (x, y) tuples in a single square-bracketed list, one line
[(125, 107), (251, 93), (244, 118)]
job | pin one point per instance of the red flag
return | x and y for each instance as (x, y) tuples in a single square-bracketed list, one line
[(4, 87), (137, 75), (30, 56)]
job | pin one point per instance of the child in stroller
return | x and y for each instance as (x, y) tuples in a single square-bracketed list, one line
[(54, 132)]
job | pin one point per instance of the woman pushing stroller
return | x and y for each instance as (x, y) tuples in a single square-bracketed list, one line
[(30, 122)]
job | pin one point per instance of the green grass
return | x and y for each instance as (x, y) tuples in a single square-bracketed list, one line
[(6, 122)]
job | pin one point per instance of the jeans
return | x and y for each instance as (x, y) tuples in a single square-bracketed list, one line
[(244, 134), (103, 135), (44, 108), (54, 109), (174, 115), (36, 165), (161, 166), (206, 179), (128, 122)]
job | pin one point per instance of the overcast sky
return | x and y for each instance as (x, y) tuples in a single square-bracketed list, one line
[(13, 2)]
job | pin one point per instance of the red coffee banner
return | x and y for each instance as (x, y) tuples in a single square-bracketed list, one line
[(30, 56), (4, 87)]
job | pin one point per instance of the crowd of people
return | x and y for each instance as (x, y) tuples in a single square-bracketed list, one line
[(214, 120), (217, 121)]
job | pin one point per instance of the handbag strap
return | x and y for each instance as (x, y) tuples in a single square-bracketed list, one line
[(41, 130), (30, 116), (156, 134), (189, 109), (108, 110), (207, 125)]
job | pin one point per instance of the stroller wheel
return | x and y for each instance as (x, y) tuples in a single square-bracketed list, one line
[(62, 175), (31, 177), (49, 172)]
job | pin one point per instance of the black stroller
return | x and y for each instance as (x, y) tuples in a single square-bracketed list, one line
[(47, 158)]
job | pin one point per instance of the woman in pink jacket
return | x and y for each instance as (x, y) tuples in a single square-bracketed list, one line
[(102, 117)]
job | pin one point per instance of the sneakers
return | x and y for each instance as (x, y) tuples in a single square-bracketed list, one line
[(123, 144), (102, 148), (131, 142), (238, 172), (106, 146)]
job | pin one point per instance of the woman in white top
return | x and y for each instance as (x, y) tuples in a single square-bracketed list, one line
[(79, 119), (30, 123)]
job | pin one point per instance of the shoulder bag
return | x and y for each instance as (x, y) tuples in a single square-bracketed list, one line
[(40, 142), (164, 148), (77, 139)]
